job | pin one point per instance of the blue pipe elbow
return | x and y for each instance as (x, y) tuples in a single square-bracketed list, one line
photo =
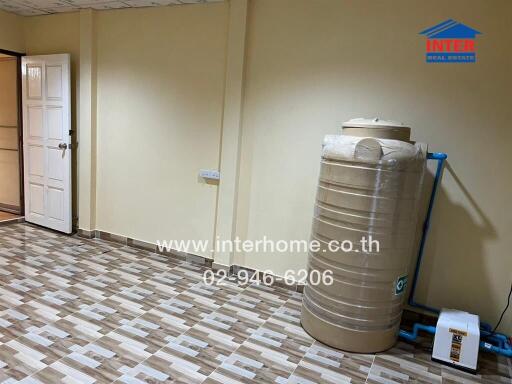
[(412, 336), (507, 352), (437, 156), (498, 338)]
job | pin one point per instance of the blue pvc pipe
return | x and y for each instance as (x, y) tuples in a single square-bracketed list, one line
[(412, 336), (507, 352), (499, 338), (440, 158), (505, 349), (437, 156), (504, 346)]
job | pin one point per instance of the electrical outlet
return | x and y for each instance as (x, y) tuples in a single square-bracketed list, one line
[(209, 174)]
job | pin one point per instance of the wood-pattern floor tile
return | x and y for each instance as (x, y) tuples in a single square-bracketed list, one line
[(74, 310)]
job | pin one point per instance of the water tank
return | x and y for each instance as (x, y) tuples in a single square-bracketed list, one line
[(369, 187)]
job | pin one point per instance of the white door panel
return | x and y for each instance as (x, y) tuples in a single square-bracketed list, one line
[(34, 81), (37, 199), (34, 122), (36, 163), (55, 123), (54, 82), (47, 122)]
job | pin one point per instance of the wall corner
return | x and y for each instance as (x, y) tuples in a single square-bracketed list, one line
[(231, 129), (87, 123)]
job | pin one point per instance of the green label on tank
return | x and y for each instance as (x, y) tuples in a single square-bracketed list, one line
[(401, 284)]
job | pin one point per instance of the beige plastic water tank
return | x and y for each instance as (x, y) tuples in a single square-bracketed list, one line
[(370, 181)]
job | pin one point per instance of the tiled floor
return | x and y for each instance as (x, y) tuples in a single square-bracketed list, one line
[(86, 311)]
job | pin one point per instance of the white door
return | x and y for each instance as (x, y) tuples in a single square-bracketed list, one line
[(46, 140)]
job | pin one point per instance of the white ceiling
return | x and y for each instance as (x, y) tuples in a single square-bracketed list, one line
[(45, 7)]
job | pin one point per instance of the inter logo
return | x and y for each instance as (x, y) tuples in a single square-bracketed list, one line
[(450, 42)]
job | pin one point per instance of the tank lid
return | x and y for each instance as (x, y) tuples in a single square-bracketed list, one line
[(378, 128), (376, 122)]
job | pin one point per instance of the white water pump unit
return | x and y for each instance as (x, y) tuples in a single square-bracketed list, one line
[(457, 339)]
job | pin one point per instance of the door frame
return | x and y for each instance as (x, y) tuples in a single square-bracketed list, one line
[(19, 90)]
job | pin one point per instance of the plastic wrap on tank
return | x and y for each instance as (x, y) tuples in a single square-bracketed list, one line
[(368, 189)]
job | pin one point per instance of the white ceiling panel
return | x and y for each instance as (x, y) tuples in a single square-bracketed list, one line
[(150, 3), (40, 4), (87, 3), (108, 5), (45, 7)]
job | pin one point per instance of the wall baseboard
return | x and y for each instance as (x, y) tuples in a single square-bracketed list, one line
[(231, 271), (12, 221), (86, 234), (10, 208)]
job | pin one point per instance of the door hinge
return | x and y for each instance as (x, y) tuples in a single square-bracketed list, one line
[(70, 132)]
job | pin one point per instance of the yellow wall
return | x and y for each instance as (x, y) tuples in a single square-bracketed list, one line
[(8, 92), (160, 91), (11, 39), (313, 64), (9, 155), (309, 66), (11, 32)]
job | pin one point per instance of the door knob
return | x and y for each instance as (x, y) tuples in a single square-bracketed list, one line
[(63, 146)]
